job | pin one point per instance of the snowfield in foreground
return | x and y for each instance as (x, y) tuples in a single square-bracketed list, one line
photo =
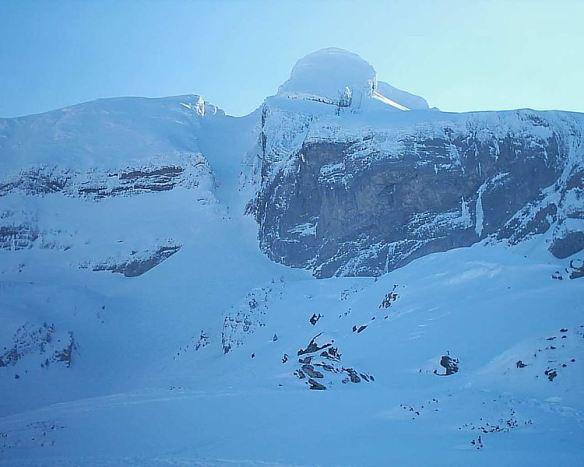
[(141, 393)]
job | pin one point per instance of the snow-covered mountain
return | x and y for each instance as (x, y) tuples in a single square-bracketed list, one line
[(150, 315), (359, 185)]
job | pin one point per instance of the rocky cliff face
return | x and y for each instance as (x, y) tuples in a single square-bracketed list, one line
[(364, 205), (362, 190)]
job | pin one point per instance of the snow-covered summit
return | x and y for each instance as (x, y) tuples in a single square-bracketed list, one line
[(327, 73), (339, 77)]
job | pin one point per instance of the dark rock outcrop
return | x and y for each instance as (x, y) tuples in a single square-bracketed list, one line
[(139, 264), (315, 385), (449, 364), (576, 269), (567, 245)]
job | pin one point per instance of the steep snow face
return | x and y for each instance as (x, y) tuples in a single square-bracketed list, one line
[(337, 77)]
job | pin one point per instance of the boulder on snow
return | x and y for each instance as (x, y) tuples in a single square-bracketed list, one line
[(311, 372), (449, 364)]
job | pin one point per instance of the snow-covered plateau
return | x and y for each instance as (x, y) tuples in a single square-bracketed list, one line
[(345, 276)]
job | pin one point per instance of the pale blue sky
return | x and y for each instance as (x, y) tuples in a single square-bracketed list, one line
[(459, 55)]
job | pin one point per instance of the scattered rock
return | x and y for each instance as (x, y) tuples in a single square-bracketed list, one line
[(478, 443), (247, 316), (41, 340), (66, 354), (390, 297), (353, 375), (203, 341), (314, 318)]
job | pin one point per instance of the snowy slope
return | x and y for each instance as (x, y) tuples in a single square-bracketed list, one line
[(488, 307), (143, 325)]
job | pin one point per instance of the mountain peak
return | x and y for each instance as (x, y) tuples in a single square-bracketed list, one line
[(328, 72), (337, 76)]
